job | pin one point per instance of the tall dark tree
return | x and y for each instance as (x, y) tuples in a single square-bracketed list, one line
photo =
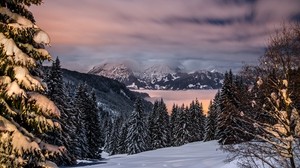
[(122, 145), (115, 137), (211, 122), (196, 121), (182, 134), (81, 102), (229, 119), (57, 94), (173, 123), (24, 117), (137, 130), (159, 128), (93, 127)]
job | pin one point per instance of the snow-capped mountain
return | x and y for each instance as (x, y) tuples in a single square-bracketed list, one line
[(155, 73), (118, 72), (160, 77)]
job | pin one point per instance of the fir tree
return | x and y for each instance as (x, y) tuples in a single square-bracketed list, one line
[(25, 113), (173, 124), (122, 145), (93, 127), (115, 137), (81, 103), (159, 128), (137, 130), (108, 135), (211, 122), (182, 132), (57, 94), (196, 121)]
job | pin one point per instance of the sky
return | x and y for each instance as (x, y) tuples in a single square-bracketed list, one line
[(195, 34)]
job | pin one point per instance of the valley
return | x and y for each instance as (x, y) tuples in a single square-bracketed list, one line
[(180, 97)]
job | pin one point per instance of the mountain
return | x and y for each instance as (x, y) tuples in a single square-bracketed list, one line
[(113, 96), (160, 77)]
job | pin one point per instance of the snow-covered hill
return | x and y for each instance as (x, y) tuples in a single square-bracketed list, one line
[(159, 76), (193, 155)]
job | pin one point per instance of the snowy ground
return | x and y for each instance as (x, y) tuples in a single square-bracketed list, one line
[(193, 155)]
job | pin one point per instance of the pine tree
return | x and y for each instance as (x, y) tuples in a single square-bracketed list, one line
[(196, 121), (173, 122), (108, 135), (137, 130), (122, 145), (25, 113), (115, 137), (211, 122), (159, 128), (93, 127), (57, 94), (81, 103), (182, 132)]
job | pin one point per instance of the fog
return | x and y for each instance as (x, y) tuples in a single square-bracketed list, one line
[(182, 96)]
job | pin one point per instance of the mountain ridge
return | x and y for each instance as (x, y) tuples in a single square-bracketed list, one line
[(160, 77)]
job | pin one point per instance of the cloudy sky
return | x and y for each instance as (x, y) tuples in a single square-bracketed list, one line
[(196, 34)]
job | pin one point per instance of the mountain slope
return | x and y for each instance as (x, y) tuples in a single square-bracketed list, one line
[(160, 77), (112, 95)]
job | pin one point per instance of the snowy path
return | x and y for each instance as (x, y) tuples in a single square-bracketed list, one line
[(194, 155)]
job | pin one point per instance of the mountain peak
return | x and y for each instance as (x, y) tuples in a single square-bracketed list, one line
[(159, 76)]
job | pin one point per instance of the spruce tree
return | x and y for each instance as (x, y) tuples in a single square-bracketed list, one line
[(122, 145), (81, 103), (182, 132), (137, 130), (93, 127), (115, 137), (57, 94), (211, 122), (196, 121), (173, 124), (159, 128), (25, 113)]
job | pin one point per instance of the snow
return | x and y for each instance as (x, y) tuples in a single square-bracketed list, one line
[(41, 37), (12, 50), (20, 142), (45, 104), (21, 21), (193, 155), (14, 90)]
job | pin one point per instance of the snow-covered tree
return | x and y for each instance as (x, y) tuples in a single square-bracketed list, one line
[(122, 145), (137, 130), (93, 127), (159, 128), (232, 106), (81, 102), (25, 113), (67, 120), (114, 138), (108, 134), (88, 125), (279, 139), (182, 133), (173, 123), (210, 125), (196, 121)]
